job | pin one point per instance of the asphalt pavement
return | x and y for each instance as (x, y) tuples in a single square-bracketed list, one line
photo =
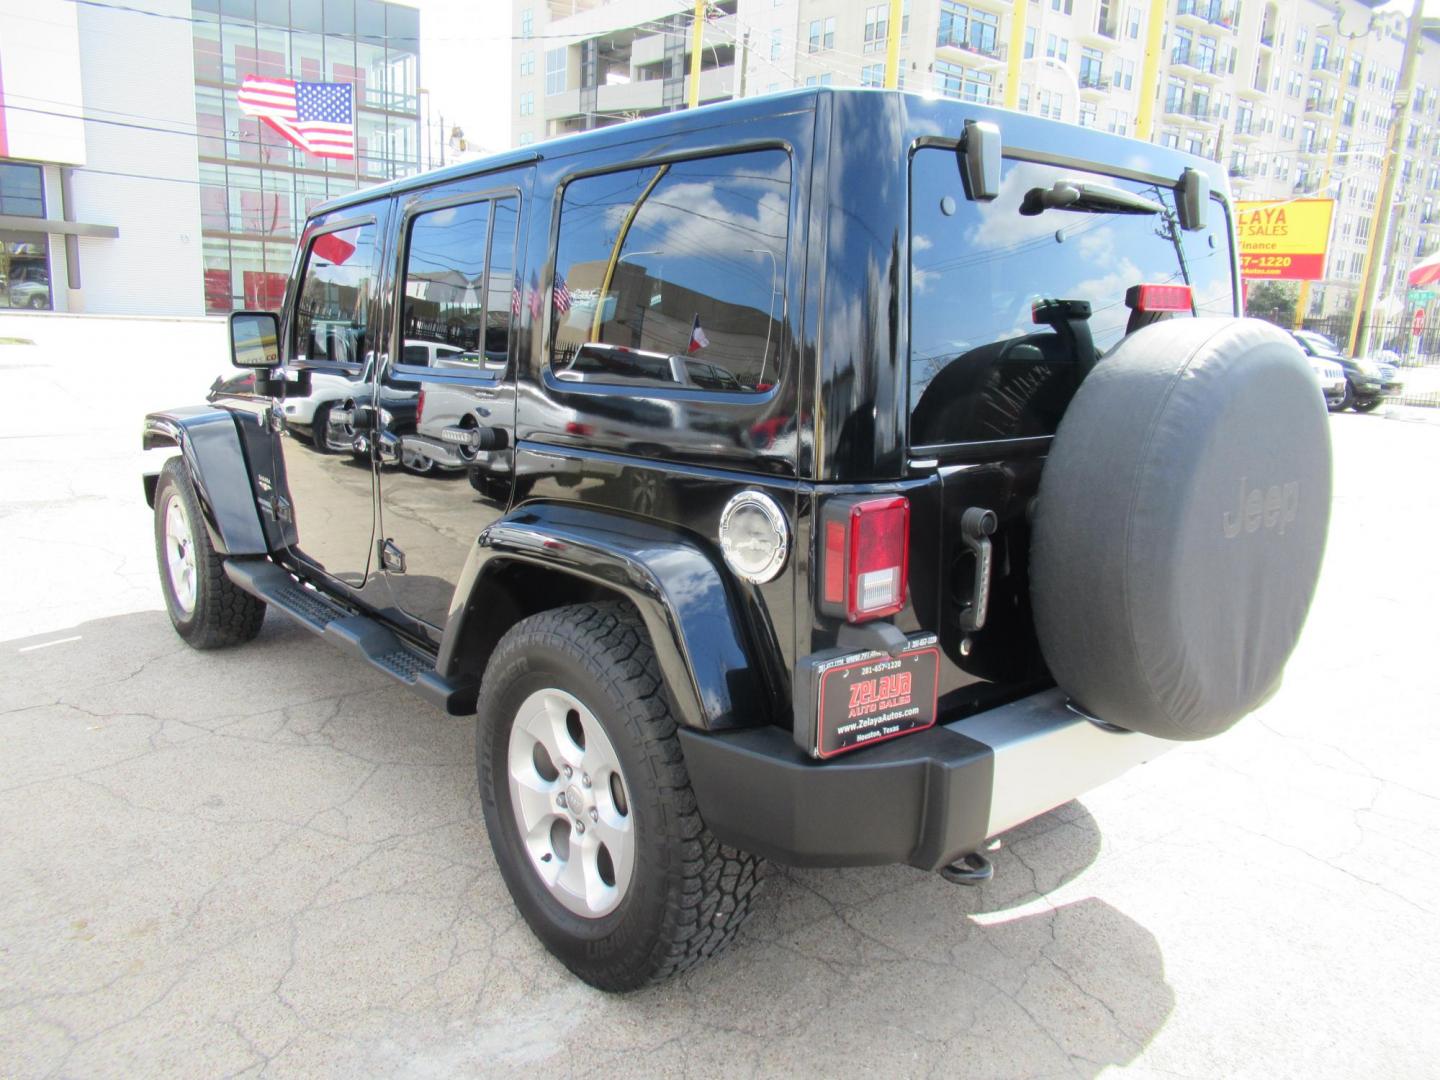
[(270, 860)]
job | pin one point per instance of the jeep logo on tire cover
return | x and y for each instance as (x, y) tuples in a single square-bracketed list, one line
[(1274, 506)]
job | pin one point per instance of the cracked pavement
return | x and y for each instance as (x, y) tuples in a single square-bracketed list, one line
[(270, 860)]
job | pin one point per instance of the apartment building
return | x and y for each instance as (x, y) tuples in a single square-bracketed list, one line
[(1295, 96)]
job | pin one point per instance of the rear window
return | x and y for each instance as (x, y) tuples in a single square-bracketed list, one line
[(980, 368), (673, 275)]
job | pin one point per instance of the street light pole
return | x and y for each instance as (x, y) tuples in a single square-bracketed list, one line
[(1399, 132)]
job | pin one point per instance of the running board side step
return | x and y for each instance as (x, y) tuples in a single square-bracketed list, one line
[(358, 634)]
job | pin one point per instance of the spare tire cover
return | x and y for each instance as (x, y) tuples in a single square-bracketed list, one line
[(1180, 525)]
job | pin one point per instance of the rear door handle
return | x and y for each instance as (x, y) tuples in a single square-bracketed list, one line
[(976, 527)]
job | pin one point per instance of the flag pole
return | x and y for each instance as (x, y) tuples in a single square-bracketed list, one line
[(355, 125)]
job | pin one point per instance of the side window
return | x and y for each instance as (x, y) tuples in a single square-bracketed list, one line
[(330, 318), (674, 275), (457, 303)]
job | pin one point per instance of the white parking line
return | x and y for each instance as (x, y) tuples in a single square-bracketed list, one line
[(47, 644)]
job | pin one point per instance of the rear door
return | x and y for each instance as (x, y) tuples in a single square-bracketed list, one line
[(997, 349), (447, 395)]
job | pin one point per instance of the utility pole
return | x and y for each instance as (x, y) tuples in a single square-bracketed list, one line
[(1399, 132), (1302, 305), (697, 43), (1150, 71), (892, 44), (744, 61)]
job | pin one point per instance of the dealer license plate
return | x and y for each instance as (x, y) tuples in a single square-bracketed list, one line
[(874, 697)]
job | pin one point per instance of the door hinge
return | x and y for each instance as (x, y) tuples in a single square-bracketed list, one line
[(391, 557)]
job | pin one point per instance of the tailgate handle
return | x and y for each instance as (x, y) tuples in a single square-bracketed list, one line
[(976, 527)]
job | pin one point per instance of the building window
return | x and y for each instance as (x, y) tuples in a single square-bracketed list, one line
[(1087, 114), (527, 23), (527, 63), (964, 83), (822, 34), (876, 21), (872, 75), (1029, 42), (774, 44), (1132, 23), (1092, 72), (1125, 75), (555, 74), (526, 138), (1057, 48), (687, 294), (24, 256), (814, 35), (965, 28), (527, 104)]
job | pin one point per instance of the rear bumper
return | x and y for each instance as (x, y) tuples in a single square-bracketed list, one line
[(924, 799)]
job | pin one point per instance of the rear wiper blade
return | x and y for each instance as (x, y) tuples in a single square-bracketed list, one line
[(1086, 198)]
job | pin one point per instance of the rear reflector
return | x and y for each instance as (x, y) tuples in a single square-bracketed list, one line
[(1159, 298)]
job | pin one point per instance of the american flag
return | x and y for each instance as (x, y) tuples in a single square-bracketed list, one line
[(315, 116), (560, 295)]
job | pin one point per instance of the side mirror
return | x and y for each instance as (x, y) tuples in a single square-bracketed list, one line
[(1192, 199), (254, 339), (979, 153)]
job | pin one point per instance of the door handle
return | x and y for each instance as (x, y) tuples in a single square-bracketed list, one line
[(976, 526), (387, 445)]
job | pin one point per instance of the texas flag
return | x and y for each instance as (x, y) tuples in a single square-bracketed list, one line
[(698, 340)]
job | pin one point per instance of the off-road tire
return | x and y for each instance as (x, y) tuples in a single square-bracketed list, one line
[(689, 894), (223, 614)]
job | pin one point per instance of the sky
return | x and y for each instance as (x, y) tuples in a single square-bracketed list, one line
[(465, 65)]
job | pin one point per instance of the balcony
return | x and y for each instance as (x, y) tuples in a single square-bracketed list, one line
[(1318, 103), (1213, 12), (1094, 79), (1242, 172), (1201, 110), (1267, 39), (1248, 130), (1195, 61), (994, 50), (1102, 34)]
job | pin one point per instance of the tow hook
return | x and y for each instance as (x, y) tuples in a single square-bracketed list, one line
[(972, 869)]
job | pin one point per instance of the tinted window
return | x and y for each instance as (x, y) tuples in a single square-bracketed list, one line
[(673, 275), (980, 367), (457, 305), (330, 319)]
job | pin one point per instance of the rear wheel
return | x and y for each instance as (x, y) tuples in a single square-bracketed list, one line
[(320, 430), (1349, 398), (1368, 406), (206, 608), (589, 806)]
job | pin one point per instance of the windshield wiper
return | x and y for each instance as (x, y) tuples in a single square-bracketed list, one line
[(1086, 198)]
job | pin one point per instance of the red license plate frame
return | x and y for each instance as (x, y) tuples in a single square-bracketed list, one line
[(875, 698)]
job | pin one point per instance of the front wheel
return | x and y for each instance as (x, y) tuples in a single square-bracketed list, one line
[(1349, 398), (1368, 406), (206, 608), (589, 806)]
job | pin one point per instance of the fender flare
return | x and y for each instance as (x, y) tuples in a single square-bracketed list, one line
[(210, 445), (694, 622)]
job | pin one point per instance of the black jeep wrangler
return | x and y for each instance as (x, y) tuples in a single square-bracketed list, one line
[(836, 477)]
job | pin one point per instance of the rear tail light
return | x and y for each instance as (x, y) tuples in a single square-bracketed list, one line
[(1149, 298), (866, 556), (420, 407)]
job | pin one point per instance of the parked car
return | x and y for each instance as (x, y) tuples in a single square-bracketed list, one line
[(1331, 377), (1367, 382), (949, 530)]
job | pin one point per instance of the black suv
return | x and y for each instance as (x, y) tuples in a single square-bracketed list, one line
[(836, 477)]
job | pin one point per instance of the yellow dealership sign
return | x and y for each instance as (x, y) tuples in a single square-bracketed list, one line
[(1284, 239)]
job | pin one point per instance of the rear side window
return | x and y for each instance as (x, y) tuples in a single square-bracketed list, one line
[(673, 275), (459, 279), (335, 293), (980, 367)]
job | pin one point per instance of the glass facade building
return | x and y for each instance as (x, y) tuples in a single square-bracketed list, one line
[(255, 187)]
